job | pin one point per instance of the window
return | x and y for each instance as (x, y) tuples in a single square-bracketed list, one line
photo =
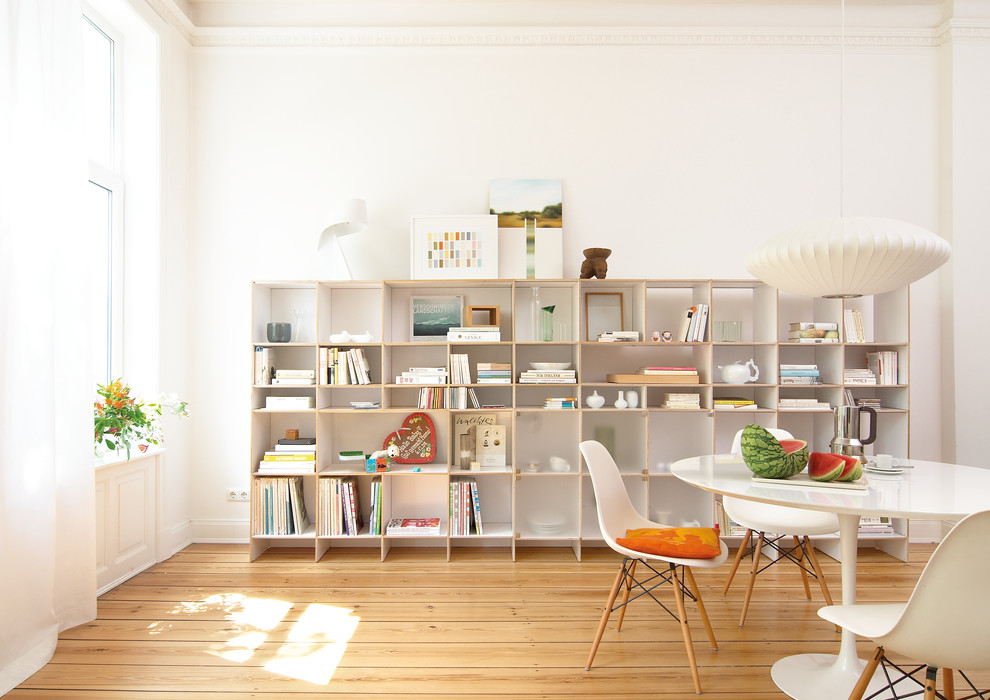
[(103, 213)]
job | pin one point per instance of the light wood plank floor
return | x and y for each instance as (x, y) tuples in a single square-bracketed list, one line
[(209, 624)]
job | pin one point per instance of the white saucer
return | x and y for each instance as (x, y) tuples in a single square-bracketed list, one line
[(878, 470)]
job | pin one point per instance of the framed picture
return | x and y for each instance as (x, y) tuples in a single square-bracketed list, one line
[(454, 247), (431, 317), (602, 312)]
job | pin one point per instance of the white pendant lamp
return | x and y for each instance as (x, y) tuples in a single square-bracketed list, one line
[(847, 256)]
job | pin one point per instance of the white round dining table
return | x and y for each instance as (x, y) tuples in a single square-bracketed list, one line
[(924, 490)]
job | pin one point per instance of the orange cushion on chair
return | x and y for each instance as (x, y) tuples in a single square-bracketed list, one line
[(684, 542)]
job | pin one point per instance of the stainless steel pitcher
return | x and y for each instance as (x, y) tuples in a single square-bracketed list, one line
[(847, 440)]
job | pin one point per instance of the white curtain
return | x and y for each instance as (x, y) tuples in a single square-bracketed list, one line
[(47, 568)]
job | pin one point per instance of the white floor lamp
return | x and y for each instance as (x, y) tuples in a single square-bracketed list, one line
[(347, 216)]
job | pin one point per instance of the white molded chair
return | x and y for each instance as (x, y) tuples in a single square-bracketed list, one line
[(616, 514), (782, 522), (945, 623)]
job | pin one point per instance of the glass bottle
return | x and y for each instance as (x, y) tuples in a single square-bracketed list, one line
[(536, 314)]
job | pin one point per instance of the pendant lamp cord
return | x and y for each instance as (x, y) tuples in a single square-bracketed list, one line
[(842, 76)]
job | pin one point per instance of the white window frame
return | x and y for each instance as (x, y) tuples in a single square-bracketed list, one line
[(111, 179)]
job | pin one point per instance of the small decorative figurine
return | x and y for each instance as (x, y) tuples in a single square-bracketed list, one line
[(656, 336), (667, 336), (594, 263)]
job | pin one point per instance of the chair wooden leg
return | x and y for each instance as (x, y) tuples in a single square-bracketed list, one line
[(625, 596), (867, 675), (804, 573), (930, 674), (813, 558), (739, 555), (696, 592), (619, 578), (752, 578), (685, 630), (948, 684)]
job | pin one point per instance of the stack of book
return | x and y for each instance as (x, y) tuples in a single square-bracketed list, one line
[(494, 373), (790, 404), (342, 512), (875, 525), (294, 377), (548, 376), (423, 375), (340, 367), (800, 374), (870, 403), (412, 527), (465, 508), (855, 375), (694, 324), (728, 403), (813, 332), (474, 334), (669, 375), (290, 456), (618, 337), (883, 364), (682, 401), (852, 321), (279, 507), (726, 525), (557, 402)]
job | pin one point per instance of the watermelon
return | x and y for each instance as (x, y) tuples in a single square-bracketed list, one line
[(853, 469), (769, 457), (825, 466)]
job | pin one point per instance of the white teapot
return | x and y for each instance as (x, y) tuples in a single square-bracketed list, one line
[(739, 373)]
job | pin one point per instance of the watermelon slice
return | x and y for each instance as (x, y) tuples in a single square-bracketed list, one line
[(852, 470), (825, 466)]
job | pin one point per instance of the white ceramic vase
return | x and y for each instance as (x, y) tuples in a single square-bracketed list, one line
[(621, 401), (632, 398), (596, 400)]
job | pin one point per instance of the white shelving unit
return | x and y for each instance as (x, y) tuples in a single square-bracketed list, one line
[(521, 507)]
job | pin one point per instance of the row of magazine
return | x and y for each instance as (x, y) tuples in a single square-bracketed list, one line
[(279, 506), (465, 508)]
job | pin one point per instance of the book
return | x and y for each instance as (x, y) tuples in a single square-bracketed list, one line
[(814, 325), (812, 340), (295, 374), (669, 372), (412, 527), (296, 441), (652, 379), (813, 333), (292, 381), (474, 336), (682, 334), (799, 372), (463, 436), (289, 456), (702, 325), (290, 402)]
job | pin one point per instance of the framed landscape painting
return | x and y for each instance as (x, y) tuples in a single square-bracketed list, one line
[(431, 317), (454, 247)]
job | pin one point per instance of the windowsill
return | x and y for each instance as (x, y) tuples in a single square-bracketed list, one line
[(114, 458)]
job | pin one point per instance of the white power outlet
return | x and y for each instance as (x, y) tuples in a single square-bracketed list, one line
[(238, 495)]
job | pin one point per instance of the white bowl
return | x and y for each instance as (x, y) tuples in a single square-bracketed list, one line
[(550, 365)]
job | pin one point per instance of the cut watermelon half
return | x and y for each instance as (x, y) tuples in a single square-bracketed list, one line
[(825, 466)]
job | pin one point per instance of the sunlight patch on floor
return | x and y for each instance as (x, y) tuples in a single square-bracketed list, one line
[(314, 645)]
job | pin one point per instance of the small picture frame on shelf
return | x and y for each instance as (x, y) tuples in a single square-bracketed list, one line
[(603, 311), (454, 247), (430, 317)]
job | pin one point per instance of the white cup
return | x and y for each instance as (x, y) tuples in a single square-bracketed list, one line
[(886, 462), (559, 464)]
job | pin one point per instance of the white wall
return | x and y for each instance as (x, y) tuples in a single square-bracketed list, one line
[(679, 158)]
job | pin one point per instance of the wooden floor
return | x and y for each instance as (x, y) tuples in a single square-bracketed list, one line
[(209, 625)]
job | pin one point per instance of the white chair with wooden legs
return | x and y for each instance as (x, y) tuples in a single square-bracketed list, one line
[(783, 522), (945, 624), (616, 514)]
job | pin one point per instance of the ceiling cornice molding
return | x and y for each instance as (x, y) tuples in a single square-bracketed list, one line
[(175, 18), (965, 31), (728, 37)]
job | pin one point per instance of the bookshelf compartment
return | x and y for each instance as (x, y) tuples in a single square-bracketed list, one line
[(548, 506)]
